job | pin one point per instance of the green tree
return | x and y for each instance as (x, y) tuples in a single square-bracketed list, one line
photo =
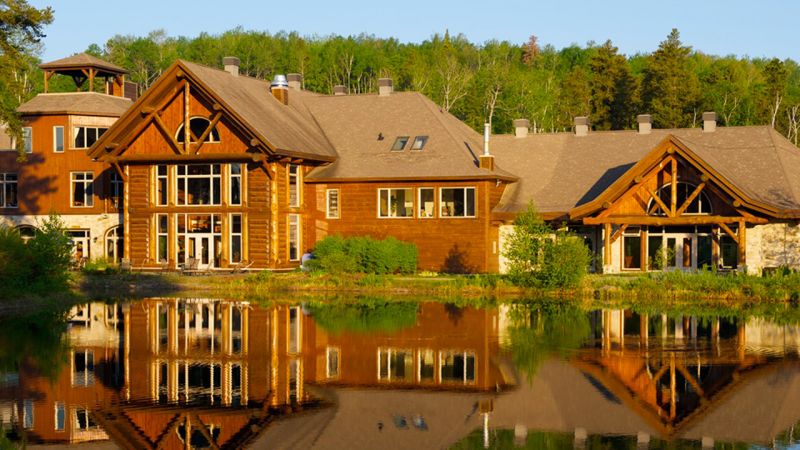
[(670, 88), (775, 75), (613, 90)]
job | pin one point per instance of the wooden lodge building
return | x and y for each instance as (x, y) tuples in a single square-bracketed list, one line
[(224, 170)]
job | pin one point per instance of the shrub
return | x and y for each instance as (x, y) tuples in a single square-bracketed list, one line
[(336, 254), (540, 256)]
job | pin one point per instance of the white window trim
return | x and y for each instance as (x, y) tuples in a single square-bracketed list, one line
[(229, 186), (72, 191), (30, 134), (420, 354), (55, 140), (328, 193), (158, 178), (208, 121), (160, 233), (390, 351), (299, 184), (299, 254), (419, 202), (75, 135), (389, 205), (231, 235), (475, 197), (328, 351), (3, 183), (186, 176), (463, 353), (55, 417)]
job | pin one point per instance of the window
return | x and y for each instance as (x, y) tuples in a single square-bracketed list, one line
[(27, 414), (294, 330), (116, 190), (426, 365), (294, 185), (27, 232), (457, 202), (632, 243), (294, 237), (82, 192), (395, 202), (27, 137), (83, 368), (457, 367), (197, 126), (700, 205), (58, 139), (85, 137), (162, 185), (83, 420), (236, 238), (332, 362), (199, 184), (8, 190), (728, 251), (60, 416), (399, 143), (426, 203), (115, 243), (332, 202), (395, 365), (162, 237), (235, 185), (419, 142)]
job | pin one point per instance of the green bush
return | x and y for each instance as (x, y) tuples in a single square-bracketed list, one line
[(336, 254), (540, 256)]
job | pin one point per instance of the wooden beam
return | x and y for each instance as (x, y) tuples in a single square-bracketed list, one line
[(729, 232), (674, 187), (618, 233), (211, 125), (119, 171), (663, 221), (169, 137), (742, 243), (667, 210), (607, 244), (187, 129), (635, 189), (690, 199)]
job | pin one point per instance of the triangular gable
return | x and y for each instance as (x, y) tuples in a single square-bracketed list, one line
[(155, 114), (668, 154)]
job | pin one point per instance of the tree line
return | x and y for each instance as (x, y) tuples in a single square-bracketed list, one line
[(497, 81)]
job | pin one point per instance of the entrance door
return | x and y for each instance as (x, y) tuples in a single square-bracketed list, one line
[(80, 244), (201, 248), (681, 251)]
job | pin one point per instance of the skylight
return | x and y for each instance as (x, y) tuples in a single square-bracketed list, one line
[(419, 142), (399, 143)]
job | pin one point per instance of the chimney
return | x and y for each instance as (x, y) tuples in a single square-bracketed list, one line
[(486, 160), (295, 81), (385, 86), (709, 121), (521, 127), (280, 89), (581, 126), (645, 123), (340, 90), (231, 64)]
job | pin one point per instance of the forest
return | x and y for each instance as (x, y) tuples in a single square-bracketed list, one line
[(494, 81)]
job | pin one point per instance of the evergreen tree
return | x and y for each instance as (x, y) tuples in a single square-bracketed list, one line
[(613, 90), (670, 88)]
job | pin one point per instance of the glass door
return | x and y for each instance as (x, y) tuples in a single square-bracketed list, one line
[(200, 247), (680, 251)]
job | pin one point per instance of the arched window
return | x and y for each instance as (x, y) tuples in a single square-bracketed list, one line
[(699, 205), (114, 243), (198, 126), (27, 232)]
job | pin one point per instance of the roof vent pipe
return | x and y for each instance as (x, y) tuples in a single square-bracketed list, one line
[(280, 89), (231, 65), (385, 86), (486, 161), (340, 89), (645, 123), (521, 127), (709, 121), (581, 126), (295, 81)]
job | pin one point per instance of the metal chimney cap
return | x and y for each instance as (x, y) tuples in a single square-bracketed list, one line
[(280, 81)]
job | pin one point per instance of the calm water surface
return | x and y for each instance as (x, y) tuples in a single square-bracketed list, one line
[(206, 373)]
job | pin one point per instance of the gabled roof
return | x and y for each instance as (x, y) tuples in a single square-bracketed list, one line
[(77, 103), (562, 171), (363, 128), (82, 60)]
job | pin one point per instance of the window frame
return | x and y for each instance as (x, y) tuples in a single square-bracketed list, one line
[(56, 130), (27, 140), (419, 202), (179, 132), (330, 350), (466, 208), (404, 139), (465, 354), (231, 177), (297, 178), (59, 426), (90, 183), (298, 238), (157, 186), (162, 233), (389, 203), (240, 235), (211, 177), (423, 139), (85, 140), (116, 190), (328, 214), (5, 185)]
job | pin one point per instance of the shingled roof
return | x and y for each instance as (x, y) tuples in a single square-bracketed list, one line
[(78, 103), (82, 60), (561, 171), (363, 128)]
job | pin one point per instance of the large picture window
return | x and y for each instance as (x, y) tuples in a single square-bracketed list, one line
[(85, 137), (457, 202), (82, 191), (199, 184), (8, 190), (396, 202)]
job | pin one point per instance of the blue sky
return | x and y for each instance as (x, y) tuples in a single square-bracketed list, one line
[(755, 28)]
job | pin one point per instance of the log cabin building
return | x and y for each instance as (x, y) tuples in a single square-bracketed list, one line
[(226, 170)]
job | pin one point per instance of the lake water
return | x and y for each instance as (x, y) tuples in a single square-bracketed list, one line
[(394, 374)]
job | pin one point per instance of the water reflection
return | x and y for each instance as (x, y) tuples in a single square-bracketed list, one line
[(204, 373)]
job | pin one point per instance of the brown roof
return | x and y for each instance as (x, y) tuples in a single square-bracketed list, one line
[(290, 128), (355, 123), (561, 171), (82, 60), (84, 103)]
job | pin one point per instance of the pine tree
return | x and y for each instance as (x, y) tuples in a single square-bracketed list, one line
[(613, 90), (670, 88)]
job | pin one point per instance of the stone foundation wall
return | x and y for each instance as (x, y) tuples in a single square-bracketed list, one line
[(97, 224), (773, 245)]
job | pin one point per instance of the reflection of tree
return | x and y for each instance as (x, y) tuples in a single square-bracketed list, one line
[(365, 316), (540, 330), (36, 338)]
